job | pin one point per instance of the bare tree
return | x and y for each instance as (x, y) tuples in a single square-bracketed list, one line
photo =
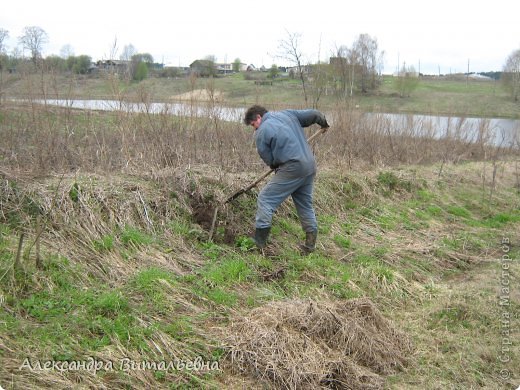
[(366, 50), (140, 66), (33, 39), (290, 50), (128, 52), (319, 82), (113, 50), (210, 63), (4, 34), (236, 65), (211, 58), (406, 81), (66, 51), (344, 66), (511, 74)]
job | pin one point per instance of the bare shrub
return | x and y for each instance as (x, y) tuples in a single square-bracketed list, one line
[(142, 136), (383, 139)]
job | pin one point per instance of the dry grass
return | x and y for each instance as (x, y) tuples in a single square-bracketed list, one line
[(312, 344), (83, 210), (42, 139)]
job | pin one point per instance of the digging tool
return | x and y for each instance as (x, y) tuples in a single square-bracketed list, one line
[(252, 185)]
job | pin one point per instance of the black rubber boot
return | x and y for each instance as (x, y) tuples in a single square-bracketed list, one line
[(261, 235), (310, 243)]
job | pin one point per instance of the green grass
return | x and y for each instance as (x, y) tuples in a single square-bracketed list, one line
[(180, 328), (499, 220), (325, 223), (434, 210), (342, 241), (180, 227), (65, 316), (458, 211), (154, 284), (211, 250), (390, 182), (227, 272), (480, 98), (133, 236), (105, 243), (288, 225)]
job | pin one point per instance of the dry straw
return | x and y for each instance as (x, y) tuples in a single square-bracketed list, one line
[(306, 344)]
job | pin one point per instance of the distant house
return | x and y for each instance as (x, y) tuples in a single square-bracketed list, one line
[(203, 68), (242, 67), (306, 69), (224, 68), (172, 70), (93, 68), (339, 62), (115, 66)]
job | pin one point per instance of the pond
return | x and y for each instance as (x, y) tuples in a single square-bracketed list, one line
[(496, 131)]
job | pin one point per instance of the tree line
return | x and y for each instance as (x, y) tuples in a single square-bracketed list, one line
[(33, 40)]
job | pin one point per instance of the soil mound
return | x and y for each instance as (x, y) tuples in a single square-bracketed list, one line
[(200, 95), (307, 345)]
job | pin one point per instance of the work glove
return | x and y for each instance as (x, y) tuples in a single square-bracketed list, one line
[(323, 123)]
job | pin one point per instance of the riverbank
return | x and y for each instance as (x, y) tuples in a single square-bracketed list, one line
[(433, 96)]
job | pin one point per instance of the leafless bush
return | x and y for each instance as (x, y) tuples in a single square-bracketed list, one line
[(383, 139), (144, 136)]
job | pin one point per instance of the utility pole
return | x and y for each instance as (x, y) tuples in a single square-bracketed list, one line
[(467, 75)]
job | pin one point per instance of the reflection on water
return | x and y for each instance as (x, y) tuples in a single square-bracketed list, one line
[(198, 109), (496, 131), (500, 132)]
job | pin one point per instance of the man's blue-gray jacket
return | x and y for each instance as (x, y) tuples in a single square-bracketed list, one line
[(281, 142)]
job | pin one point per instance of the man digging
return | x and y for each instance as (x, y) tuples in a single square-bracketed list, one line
[(280, 142)]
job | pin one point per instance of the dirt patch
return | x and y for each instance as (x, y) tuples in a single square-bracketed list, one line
[(307, 345), (200, 95), (202, 212), (226, 228)]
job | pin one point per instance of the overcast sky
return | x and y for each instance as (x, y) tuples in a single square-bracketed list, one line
[(433, 35)]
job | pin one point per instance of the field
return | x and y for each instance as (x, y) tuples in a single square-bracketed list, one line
[(452, 96), (108, 278)]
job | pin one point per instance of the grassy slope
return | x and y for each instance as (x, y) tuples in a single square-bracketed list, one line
[(121, 282), (476, 98)]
